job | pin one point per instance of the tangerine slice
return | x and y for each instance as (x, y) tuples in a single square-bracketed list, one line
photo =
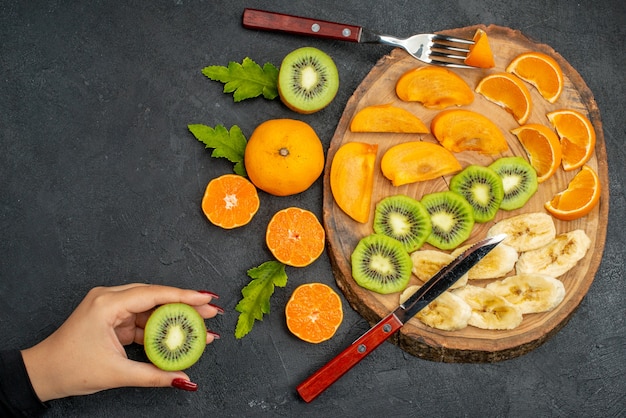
[(578, 137), (434, 87), (352, 178), (580, 197), (465, 130), (543, 148), (414, 161), (295, 237), (540, 70), (230, 201), (314, 312), (480, 54), (509, 92), (387, 118)]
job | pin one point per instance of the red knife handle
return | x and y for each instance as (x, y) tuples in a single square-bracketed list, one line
[(337, 367), (260, 19)]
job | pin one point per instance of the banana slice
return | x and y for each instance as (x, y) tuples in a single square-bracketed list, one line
[(489, 311), (496, 264), (527, 231), (557, 257), (428, 262), (448, 312), (531, 293)]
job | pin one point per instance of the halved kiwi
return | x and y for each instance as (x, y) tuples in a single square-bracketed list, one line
[(519, 180), (403, 218), (451, 217), (174, 336), (308, 80), (381, 264), (482, 188)]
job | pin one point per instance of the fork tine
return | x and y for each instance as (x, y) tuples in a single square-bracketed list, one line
[(449, 64), (449, 51), (438, 37)]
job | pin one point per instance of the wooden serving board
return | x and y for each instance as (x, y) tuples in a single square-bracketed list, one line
[(469, 344)]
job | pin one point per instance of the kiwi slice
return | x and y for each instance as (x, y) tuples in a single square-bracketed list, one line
[(519, 180), (482, 188), (381, 264), (174, 336), (452, 219), (403, 218), (308, 80)]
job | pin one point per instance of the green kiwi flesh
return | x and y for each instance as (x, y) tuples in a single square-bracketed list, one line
[(519, 180), (482, 188), (451, 217), (308, 80), (381, 264), (403, 218), (174, 337)]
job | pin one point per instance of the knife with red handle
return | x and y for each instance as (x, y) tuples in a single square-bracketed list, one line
[(319, 381)]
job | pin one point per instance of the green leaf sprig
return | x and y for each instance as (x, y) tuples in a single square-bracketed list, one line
[(246, 80), (226, 144), (257, 293)]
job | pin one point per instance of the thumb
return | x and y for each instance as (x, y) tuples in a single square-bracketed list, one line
[(141, 374)]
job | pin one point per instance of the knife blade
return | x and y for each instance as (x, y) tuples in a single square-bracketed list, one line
[(319, 381)]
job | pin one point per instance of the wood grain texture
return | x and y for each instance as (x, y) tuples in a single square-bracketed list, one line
[(470, 344)]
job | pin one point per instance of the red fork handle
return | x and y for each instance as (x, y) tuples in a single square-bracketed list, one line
[(319, 381), (260, 19)]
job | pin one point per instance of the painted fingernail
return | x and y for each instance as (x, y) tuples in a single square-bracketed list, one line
[(219, 310), (206, 292), (215, 335), (184, 384)]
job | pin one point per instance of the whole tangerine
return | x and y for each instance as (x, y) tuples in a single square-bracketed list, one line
[(284, 157)]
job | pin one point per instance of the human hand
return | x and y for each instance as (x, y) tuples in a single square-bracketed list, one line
[(86, 354)]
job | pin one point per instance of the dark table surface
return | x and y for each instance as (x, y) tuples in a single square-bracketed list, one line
[(101, 183)]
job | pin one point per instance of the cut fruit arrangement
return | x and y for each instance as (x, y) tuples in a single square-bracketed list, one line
[(519, 145), (420, 170), (282, 157)]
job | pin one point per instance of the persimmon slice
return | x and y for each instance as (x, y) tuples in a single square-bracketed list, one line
[(387, 118), (414, 161), (465, 130), (352, 178), (480, 54), (434, 87)]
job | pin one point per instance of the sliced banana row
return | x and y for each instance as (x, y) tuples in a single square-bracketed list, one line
[(533, 251)]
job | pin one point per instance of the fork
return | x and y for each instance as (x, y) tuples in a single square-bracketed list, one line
[(429, 48)]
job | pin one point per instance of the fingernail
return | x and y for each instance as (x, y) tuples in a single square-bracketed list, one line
[(219, 310), (184, 384), (206, 292), (215, 335)]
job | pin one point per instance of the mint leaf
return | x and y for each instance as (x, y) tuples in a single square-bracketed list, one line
[(226, 144), (257, 293), (246, 80)]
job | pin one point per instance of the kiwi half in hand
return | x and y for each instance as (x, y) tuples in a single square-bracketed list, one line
[(482, 188), (174, 337), (452, 219), (308, 80), (519, 179), (403, 218), (381, 264)]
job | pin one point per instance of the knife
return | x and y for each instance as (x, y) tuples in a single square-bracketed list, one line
[(319, 381)]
